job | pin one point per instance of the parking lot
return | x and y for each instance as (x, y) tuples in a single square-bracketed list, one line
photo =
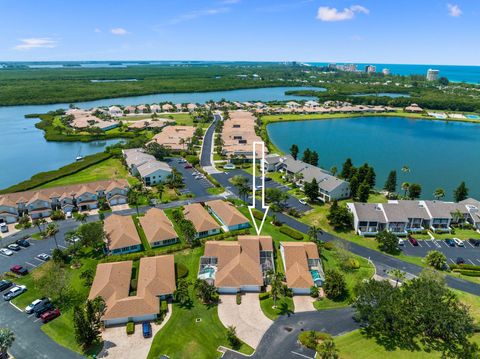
[(27, 257), (468, 252), (196, 186)]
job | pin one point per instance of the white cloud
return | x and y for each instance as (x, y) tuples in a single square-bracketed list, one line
[(326, 13), (119, 31), (454, 10), (199, 13), (97, 30), (36, 43)]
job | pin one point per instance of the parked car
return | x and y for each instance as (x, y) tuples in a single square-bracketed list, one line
[(35, 304), (50, 315), (460, 260), (23, 243), (303, 201), (14, 292), (474, 242), (450, 242), (19, 270), (14, 247), (229, 166), (187, 166), (267, 179), (42, 308), (401, 242), (6, 251), (4, 284), (3, 227), (413, 241), (146, 329), (459, 242), (68, 214), (182, 160), (44, 257)]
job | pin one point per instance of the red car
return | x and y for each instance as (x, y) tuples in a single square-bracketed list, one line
[(19, 270), (187, 166), (413, 241), (50, 315)]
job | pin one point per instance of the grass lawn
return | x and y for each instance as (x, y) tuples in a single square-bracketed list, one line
[(182, 336), (284, 306), (332, 260), (215, 190), (109, 169), (141, 233)]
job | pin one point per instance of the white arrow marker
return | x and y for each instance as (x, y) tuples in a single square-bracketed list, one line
[(254, 187)]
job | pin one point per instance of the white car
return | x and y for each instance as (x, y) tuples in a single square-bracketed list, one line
[(68, 214), (401, 242), (3, 227), (14, 292), (6, 251), (303, 201), (229, 166), (29, 308), (44, 257), (459, 242)]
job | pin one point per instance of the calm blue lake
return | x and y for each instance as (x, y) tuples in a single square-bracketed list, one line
[(25, 152), (439, 154)]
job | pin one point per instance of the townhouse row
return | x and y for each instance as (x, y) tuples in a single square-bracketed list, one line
[(403, 216), (41, 203), (330, 187), (146, 166)]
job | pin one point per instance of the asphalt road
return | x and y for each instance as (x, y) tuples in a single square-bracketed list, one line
[(280, 340), (30, 341), (205, 158)]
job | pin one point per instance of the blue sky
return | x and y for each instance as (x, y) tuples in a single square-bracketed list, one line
[(403, 31)]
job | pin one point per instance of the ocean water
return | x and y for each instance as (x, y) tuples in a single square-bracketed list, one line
[(469, 74)]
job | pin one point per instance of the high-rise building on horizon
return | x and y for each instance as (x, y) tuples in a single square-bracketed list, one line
[(370, 69), (432, 75)]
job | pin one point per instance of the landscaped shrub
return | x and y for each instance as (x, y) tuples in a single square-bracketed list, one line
[(263, 296), (329, 246), (239, 298), (292, 233), (57, 215), (469, 266), (352, 264), (311, 338), (133, 284), (182, 270), (314, 291), (257, 214), (164, 307), (468, 272), (130, 328)]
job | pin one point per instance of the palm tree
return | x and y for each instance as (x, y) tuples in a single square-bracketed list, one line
[(52, 230), (439, 193), (406, 169), (38, 223), (313, 233), (275, 280), (327, 349), (160, 190), (6, 340), (398, 275), (405, 187), (81, 217)]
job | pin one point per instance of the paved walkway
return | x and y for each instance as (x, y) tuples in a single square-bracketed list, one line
[(303, 303), (120, 345), (247, 318)]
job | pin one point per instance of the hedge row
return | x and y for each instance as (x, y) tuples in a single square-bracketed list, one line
[(45, 177), (464, 266), (468, 272), (137, 255), (292, 233)]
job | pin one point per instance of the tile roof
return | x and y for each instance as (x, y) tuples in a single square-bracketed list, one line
[(157, 226), (296, 256), (200, 218), (121, 231), (112, 282), (238, 262), (229, 215)]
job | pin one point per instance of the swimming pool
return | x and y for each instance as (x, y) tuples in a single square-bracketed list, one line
[(473, 117), (207, 273), (315, 275)]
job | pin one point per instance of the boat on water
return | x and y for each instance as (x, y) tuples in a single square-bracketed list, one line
[(79, 157)]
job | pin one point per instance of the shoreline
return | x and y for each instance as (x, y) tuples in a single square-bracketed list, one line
[(270, 119)]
